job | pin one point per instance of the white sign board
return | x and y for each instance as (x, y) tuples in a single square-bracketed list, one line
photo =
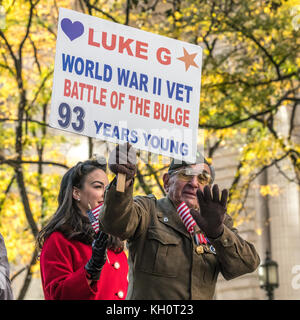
[(119, 84)]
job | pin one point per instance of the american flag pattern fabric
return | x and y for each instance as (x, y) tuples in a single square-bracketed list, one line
[(189, 222), (186, 217), (93, 217), (200, 238)]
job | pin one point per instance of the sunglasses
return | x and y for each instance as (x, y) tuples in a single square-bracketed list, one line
[(187, 174)]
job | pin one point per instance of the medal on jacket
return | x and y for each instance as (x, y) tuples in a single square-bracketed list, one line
[(212, 249), (199, 249), (201, 241)]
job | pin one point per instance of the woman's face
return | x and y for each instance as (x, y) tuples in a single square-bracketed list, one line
[(92, 191)]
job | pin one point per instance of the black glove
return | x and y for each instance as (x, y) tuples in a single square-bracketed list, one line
[(212, 211), (123, 160), (98, 259)]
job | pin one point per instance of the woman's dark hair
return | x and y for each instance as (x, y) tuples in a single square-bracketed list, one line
[(68, 219)]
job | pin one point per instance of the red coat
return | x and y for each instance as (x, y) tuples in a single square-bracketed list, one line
[(62, 264)]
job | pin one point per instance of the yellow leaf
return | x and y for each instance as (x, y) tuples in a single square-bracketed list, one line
[(272, 190), (177, 15)]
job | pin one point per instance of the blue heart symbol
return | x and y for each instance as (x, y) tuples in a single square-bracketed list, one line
[(72, 29)]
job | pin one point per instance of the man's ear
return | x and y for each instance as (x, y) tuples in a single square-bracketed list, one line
[(166, 178), (76, 194)]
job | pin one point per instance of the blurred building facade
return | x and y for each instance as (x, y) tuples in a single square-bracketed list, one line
[(272, 223)]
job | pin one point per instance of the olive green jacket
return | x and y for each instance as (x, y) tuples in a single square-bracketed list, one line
[(163, 262)]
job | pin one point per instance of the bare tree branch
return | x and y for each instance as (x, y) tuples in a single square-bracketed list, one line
[(28, 275), (32, 5), (127, 12), (41, 123), (16, 162), (7, 191), (35, 54), (251, 116), (16, 274), (147, 189), (90, 6)]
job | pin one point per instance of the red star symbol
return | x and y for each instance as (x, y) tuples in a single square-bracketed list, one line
[(188, 59)]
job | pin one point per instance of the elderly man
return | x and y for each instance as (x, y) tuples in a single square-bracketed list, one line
[(170, 258)]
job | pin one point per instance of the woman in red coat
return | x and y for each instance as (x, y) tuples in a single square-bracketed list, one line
[(76, 263)]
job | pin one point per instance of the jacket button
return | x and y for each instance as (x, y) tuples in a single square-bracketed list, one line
[(121, 294), (117, 265)]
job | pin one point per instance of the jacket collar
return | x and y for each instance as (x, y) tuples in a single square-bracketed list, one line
[(168, 215)]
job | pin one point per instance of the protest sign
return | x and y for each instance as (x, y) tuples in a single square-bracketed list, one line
[(119, 84)]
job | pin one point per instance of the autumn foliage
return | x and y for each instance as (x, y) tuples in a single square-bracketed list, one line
[(250, 83)]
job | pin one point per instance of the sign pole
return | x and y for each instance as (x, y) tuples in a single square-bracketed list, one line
[(121, 179)]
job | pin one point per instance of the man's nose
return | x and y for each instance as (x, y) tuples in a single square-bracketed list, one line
[(194, 182)]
